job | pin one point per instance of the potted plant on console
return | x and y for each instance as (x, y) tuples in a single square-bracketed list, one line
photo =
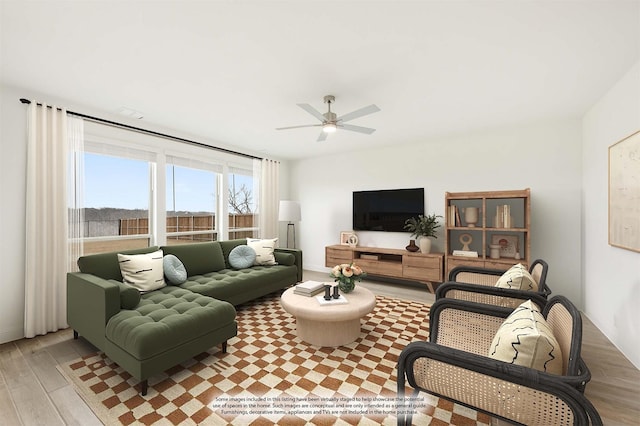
[(423, 227)]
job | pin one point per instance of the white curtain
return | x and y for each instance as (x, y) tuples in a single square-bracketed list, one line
[(47, 223), (269, 190), (75, 191)]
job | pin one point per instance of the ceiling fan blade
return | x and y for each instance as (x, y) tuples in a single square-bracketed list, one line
[(322, 136), (298, 127), (311, 110), (359, 129), (359, 113)]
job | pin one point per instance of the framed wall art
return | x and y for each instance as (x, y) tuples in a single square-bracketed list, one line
[(624, 193)]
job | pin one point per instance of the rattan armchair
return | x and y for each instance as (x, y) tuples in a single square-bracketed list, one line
[(478, 285), (454, 365)]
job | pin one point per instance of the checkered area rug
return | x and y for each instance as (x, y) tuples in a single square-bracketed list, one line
[(269, 376)]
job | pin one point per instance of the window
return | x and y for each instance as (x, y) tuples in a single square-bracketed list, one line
[(191, 204), (141, 190), (242, 204), (116, 200)]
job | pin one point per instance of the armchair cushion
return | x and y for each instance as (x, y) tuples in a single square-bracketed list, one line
[(526, 339), (518, 278), (142, 271)]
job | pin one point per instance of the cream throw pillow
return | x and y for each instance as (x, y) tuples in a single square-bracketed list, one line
[(518, 278), (142, 271), (264, 250), (526, 339)]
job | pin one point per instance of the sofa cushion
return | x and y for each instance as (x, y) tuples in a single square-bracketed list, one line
[(242, 257), (525, 338), (287, 259), (239, 286), (229, 245), (105, 265), (517, 278), (174, 270), (129, 296), (142, 271), (167, 319), (264, 250), (198, 258)]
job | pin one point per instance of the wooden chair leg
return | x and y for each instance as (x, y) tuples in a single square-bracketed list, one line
[(75, 335), (144, 386), (224, 347)]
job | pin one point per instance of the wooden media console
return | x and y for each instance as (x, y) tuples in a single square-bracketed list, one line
[(401, 264)]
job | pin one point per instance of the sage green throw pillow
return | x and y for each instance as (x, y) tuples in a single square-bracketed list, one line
[(174, 270), (242, 257)]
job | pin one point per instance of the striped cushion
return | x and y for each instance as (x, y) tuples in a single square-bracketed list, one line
[(264, 250), (142, 271)]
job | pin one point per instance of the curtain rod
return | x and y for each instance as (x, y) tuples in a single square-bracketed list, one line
[(149, 132)]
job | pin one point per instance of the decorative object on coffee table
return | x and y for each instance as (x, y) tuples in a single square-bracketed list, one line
[(423, 227), (412, 247), (327, 292), (346, 275)]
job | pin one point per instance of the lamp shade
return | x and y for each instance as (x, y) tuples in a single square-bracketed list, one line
[(289, 211)]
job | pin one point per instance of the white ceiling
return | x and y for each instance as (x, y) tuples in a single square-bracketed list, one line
[(233, 71)]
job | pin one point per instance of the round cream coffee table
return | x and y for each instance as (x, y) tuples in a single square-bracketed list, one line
[(329, 325)]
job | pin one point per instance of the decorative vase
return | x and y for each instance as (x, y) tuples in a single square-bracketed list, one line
[(471, 216), (425, 245), (346, 286), (412, 247)]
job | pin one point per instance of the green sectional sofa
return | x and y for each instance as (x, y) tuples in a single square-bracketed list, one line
[(148, 333)]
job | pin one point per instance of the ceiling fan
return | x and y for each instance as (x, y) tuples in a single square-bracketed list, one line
[(330, 122)]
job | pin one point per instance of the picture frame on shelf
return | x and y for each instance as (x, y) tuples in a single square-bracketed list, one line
[(509, 244), (348, 238)]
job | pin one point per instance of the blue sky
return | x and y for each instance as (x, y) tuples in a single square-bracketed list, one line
[(123, 183)]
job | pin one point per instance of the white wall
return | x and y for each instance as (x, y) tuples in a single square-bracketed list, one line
[(13, 159), (544, 157), (611, 275), (13, 162)]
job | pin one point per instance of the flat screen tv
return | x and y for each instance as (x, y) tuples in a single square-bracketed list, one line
[(386, 210)]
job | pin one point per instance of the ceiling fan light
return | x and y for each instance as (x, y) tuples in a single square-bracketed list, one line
[(329, 128)]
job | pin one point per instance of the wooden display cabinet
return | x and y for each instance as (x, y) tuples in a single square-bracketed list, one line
[(387, 262), (501, 218)]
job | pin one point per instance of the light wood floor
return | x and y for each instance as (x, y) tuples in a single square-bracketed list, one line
[(32, 391)]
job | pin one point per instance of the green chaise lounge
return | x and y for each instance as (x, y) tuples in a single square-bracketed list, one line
[(148, 333)]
